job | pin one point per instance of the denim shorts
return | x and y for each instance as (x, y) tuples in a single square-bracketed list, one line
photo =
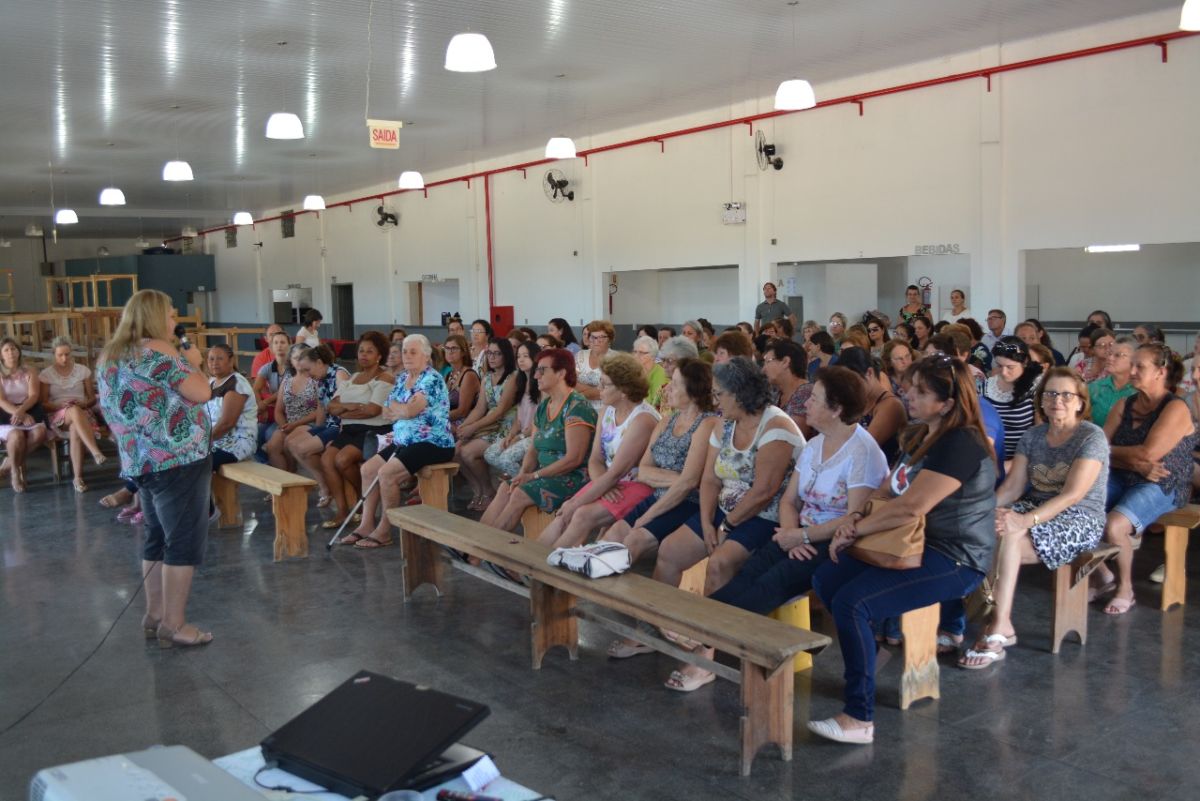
[(326, 434), (751, 534), (1141, 504), (175, 504), (662, 526)]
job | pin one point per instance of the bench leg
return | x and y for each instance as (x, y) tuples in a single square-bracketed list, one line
[(766, 711), (1174, 586), (435, 490), (225, 496), (534, 521), (1070, 608), (693, 578), (554, 622), (291, 537), (921, 673), (422, 563)]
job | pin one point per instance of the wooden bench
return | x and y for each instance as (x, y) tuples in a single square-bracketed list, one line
[(1177, 524), (289, 502), (764, 647), (534, 521), (433, 484), (1071, 595), (921, 676)]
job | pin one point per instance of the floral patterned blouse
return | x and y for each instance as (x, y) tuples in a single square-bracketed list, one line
[(155, 427), (327, 387), (551, 437), (736, 468), (432, 425), (611, 434), (298, 405)]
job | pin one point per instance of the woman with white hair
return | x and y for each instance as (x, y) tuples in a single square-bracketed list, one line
[(419, 410), (68, 396), (645, 350)]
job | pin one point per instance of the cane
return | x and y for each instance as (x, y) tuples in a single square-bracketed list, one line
[(338, 534)]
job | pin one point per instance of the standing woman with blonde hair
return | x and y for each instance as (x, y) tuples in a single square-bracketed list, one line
[(21, 417), (153, 400)]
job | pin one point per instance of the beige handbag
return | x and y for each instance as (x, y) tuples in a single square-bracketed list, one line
[(898, 548)]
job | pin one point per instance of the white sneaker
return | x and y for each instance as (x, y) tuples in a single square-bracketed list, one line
[(1159, 574), (830, 730)]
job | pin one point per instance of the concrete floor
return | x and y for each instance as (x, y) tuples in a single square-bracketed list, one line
[(1114, 719)]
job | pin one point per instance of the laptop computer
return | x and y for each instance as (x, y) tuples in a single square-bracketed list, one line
[(373, 734)]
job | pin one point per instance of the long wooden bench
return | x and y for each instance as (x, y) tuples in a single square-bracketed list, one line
[(1071, 595), (764, 647), (1177, 524), (289, 502)]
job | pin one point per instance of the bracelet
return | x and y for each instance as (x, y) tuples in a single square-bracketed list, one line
[(857, 515), (1036, 521), (804, 536)]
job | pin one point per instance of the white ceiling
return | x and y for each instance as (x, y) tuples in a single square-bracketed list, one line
[(81, 74)]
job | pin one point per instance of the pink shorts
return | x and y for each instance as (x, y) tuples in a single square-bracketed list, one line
[(632, 493)]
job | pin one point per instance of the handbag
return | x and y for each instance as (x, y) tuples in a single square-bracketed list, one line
[(899, 548)]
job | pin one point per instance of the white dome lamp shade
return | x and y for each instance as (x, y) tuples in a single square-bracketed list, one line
[(111, 196), (411, 179), (1189, 18), (243, 218), (177, 171), (470, 52), (560, 147), (795, 94), (284, 125), (66, 217), (314, 203)]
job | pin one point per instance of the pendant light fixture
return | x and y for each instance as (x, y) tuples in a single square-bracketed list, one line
[(284, 124), (314, 202), (243, 218), (560, 147), (66, 217), (111, 195), (1189, 18), (794, 94), (177, 169), (411, 179), (470, 52)]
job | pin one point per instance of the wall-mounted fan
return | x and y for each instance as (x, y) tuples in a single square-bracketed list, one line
[(766, 152), (387, 218), (555, 185)]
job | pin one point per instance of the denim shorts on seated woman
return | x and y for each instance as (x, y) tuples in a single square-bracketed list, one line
[(751, 534), (326, 434), (667, 522), (1141, 504)]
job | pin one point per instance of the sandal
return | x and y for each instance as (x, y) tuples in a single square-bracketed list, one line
[(99, 458), (126, 514), (993, 651), (80, 486), (5, 466), (137, 519), (370, 543), (948, 643), (334, 523), (169, 639), (350, 539), (150, 627), (1119, 606), (684, 683), (324, 500), (620, 649)]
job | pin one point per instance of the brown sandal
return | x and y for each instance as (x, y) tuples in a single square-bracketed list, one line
[(168, 638), (369, 543)]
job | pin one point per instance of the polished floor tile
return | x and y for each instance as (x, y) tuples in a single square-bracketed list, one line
[(1112, 719)]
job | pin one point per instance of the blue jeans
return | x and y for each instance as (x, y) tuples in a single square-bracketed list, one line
[(857, 594), (769, 579)]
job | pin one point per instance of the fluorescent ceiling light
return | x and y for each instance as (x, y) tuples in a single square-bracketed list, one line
[(314, 203), (284, 125), (243, 218), (560, 147), (177, 171), (1112, 248), (1189, 19), (795, 95), (411, 179), (112, 197), (470, 52), (66, 217)]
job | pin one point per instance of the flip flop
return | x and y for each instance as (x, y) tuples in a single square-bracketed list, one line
[(619, 649), (1119, 606), (992, 652), (947, 643), (683, 683), (350, 539), (370, 543)]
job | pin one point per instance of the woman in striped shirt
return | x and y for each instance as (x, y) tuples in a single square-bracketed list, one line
[(1011, 390)]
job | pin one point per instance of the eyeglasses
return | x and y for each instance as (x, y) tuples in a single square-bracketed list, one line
[(542, 369), (449, 348), (598, 337), (995, 317), (874, 330), (1066, 397), (494, 352), (478, 331), (767, 361)]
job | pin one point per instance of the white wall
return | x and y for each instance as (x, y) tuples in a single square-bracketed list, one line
[(672, 296), (437, 298), (1095, 150)]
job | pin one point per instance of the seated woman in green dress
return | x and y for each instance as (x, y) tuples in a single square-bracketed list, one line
[(555, 468)]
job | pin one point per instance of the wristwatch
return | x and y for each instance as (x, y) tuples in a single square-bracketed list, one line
[(537, 476), (804, 536), (723, 528)]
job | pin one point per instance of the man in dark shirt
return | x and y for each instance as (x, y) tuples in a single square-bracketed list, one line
[(771, 309)]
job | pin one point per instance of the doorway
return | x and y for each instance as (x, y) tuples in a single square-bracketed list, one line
[(343, 311)]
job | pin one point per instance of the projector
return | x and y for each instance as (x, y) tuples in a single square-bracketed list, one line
[(156, 774)]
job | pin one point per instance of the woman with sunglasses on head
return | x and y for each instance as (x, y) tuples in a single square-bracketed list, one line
[(878, 334), (490, 420), (1011, 390), (1152, 436), (1050, 508), (946, 474)]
